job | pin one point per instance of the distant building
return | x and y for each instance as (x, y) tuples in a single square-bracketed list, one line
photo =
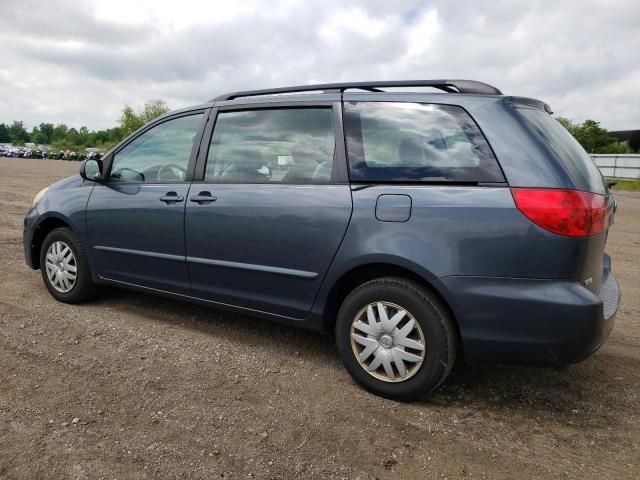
[(632, 137)]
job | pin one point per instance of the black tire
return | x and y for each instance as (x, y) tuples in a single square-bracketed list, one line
[(434, 321), (84, 289)]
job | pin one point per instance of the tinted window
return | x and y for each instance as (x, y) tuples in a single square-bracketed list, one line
[(416, 142), (293, 145), (159, 155), (582, 170)]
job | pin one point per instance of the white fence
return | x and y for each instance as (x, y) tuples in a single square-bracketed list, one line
[(618, 166)]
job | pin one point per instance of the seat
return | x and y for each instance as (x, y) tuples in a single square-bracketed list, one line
[(305, 162), (244, 167)]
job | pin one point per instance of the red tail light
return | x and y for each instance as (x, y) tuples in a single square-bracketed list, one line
[(565, 212)]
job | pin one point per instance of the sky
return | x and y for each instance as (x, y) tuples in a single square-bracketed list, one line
[(79, 62)]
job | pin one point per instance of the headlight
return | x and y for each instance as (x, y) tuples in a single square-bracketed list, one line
[(39, 196)]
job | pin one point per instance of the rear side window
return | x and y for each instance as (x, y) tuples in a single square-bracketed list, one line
[(582, 170), (409, 142)]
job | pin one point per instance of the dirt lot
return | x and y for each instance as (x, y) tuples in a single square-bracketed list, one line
[(133, 386)]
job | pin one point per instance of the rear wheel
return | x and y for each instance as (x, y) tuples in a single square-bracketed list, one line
[(395, 338), (64, 267)]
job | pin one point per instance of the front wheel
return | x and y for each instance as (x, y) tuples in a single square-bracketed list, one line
[(64, 267), (395, 338)]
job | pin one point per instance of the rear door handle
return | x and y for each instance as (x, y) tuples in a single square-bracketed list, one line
[(203, 198), (171, 198)]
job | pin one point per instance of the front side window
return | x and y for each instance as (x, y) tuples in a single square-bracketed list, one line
[(409, 142), (159, 155), (286, 145)]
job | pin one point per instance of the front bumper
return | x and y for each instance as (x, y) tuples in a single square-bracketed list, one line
[(531, 322), (30, 222)]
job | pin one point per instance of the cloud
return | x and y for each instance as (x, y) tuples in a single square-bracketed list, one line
[(80, 62)]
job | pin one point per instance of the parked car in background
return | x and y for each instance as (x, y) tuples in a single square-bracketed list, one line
[(416, 228), (15, 153), (37, 153), (93, 154)]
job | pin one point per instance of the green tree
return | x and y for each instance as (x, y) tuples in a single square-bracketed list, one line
[(46, 131), (130, 120), (73, 138), (85, 136), (61, 137), (153, 109), (18, 133), (566, 123), (59, 132), (4, 133), (42, 135), (36, 136), (593, 137)]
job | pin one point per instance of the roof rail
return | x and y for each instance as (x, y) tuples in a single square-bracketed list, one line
[(450, 86)]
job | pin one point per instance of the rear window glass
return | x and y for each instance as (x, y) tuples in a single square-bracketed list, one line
[(582, 170), (408, 142)]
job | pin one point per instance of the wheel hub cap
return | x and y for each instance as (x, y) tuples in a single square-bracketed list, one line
[(61, 267), (387, 341)]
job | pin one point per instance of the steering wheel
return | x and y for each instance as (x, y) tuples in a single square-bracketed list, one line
[(171, 172)]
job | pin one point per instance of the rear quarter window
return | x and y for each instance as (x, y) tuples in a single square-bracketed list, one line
[(409, 142), (581, 169)]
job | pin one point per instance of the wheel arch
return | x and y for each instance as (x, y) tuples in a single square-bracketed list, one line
[(365, 272), (40, 232)]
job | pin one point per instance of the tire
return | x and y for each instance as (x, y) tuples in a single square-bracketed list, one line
[(82, 288), (434, 331)]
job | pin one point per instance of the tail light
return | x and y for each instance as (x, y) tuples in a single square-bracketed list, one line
[(565, 212)]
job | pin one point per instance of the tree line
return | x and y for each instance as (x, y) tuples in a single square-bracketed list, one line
[(63, 137), (592, 137)]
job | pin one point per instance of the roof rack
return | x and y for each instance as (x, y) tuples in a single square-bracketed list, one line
[(450, 86)]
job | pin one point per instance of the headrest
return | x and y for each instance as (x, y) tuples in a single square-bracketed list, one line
[(247, 158), (302, 153)]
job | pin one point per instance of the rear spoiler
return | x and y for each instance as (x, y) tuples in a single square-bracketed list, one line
[(529, 103)]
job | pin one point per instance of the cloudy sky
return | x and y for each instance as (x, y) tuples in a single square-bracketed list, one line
[(80, 61)]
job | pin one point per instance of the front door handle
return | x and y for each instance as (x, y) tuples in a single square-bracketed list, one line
[(171, 198), (203, 198)]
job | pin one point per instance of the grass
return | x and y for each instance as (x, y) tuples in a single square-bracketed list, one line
[(630, 185)]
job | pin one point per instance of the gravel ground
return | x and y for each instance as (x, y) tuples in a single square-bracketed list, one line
[(132, 386)]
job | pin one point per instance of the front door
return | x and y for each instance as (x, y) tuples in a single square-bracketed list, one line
[(265, 221), (135, 220)]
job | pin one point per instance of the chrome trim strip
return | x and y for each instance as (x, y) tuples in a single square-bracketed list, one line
[(217, 263), (143, 253), (256, 268)]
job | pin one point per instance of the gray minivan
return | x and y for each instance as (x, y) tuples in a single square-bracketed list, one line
[(415, 227)]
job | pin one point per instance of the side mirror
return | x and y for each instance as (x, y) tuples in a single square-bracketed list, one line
[(91, 170)]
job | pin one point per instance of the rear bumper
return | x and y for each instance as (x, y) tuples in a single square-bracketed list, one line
[(531, 322)]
